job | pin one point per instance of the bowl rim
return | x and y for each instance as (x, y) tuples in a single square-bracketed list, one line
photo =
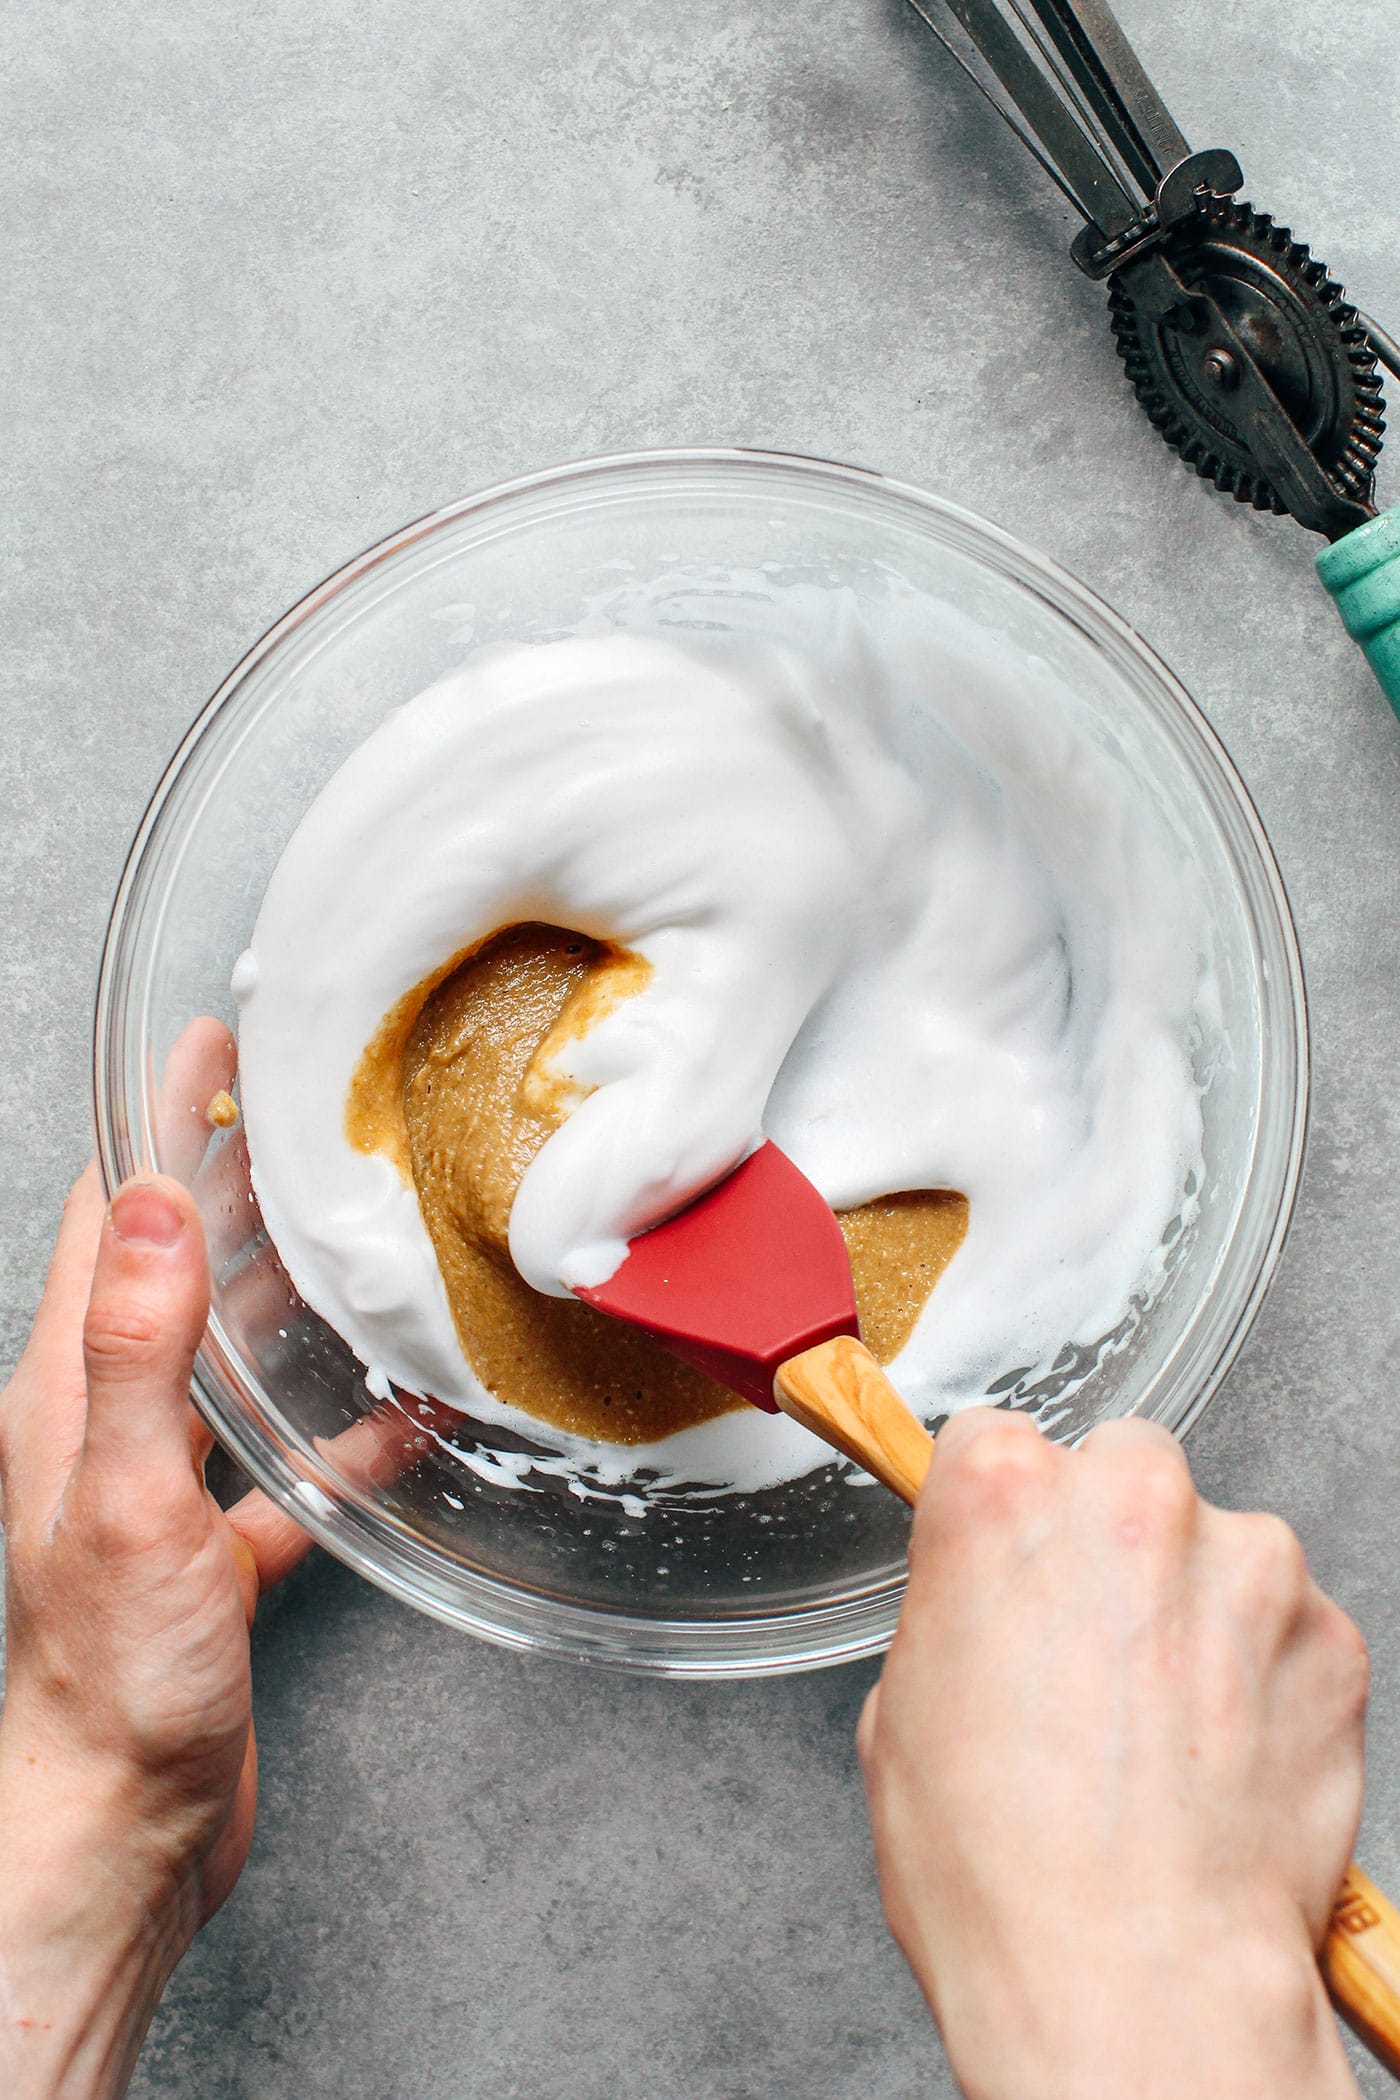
[(369, 1539)]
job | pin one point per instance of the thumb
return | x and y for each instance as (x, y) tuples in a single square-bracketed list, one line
[(145, 1319)]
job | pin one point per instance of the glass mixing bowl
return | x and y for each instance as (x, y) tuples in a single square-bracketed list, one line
[(450, 1516)]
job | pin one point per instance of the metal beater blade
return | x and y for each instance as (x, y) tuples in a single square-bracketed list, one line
[(1241, 348)]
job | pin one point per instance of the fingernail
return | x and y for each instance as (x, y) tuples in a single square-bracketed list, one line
[(145, 1216)]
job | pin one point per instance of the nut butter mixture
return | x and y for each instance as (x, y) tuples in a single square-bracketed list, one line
[(457, 1088)]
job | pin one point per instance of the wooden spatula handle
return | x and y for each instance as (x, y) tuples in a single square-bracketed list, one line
[(838, 1391), (1360, 1963)]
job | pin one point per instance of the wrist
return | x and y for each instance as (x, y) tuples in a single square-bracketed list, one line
[(87, 1942), (1242, 2021)]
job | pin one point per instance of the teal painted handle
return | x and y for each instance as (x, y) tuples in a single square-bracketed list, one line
[(1363, 574)]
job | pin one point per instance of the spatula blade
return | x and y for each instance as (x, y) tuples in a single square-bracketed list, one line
[(750, 1274)]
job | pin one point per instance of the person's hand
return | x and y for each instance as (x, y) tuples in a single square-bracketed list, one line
[(1114, 1766), (127, 1763)]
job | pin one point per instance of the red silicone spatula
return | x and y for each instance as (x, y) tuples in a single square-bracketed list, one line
[(751, 1284)]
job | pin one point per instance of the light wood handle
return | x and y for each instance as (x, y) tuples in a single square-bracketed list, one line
[(838, 1391), (1360, 1962)]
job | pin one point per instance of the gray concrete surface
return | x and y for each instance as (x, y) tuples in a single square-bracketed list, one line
[(281, 277)]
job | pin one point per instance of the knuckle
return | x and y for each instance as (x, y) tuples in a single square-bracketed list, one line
[(118, 1334), (1154, 1496), (992, 1470), (1006, 1440), (123, 1521), (1271, 1563), (1277, 1552), (1163, 1485)]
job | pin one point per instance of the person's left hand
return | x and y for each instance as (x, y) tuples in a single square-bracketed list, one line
[(128, 1771)]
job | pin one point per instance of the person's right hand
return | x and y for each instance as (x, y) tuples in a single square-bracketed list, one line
[(1114, 1766)]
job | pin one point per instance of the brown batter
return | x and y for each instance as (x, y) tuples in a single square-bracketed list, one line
[(456, 1088)]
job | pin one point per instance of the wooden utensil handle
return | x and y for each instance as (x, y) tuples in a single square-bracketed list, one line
[(1360, 1962), (839, 1391)]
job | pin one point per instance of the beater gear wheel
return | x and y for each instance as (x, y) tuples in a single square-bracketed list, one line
[(1298, 326)]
